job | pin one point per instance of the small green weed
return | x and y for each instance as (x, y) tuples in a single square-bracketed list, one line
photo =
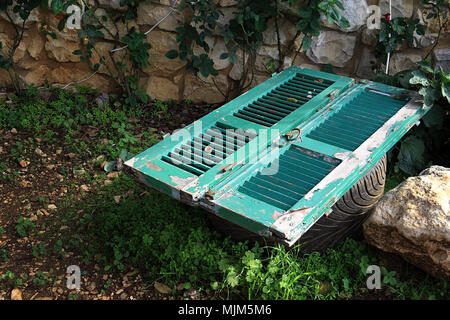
[(24, 226), (39, 250)]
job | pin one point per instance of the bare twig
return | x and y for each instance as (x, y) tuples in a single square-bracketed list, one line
[(442, 25), (79, 81), (172, 9)]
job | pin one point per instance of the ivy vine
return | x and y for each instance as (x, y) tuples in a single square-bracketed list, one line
[(243, 34)]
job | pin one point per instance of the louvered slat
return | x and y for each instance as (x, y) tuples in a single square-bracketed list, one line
[(203, 152), (357, 120), (282, 100), (298, 172)]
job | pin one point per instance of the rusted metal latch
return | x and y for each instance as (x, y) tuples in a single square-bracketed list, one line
[(288, 137), (293, 134)]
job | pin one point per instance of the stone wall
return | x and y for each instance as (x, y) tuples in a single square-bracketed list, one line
[(42, 59)]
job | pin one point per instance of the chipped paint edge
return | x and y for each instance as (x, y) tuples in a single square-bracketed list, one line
[(286, 223)]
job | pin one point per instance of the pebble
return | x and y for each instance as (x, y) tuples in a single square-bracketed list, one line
[(40, 152), (24, 163), (16, 294)]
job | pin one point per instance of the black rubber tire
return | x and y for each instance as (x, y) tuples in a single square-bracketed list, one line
[(347, 216)]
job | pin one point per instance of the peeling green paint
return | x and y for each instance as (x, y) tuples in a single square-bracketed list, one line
[(220, 188)]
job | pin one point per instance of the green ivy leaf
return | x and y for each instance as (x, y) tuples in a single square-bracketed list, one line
[(430, 95), (419, 77), (404, 78), (57, 6), (172, 54), (339, 5), (123, 154), (426, 65), (306, 43), (445, 88), (411, 156), (62, 23), (434, 118), (445, 77)]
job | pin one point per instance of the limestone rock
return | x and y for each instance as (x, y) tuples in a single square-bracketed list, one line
[(162, 41), (431, 23), (61, 50), (431, 31), (115, 4), (228, 3), (163, 65), (228, 14), (199, 89), (199, 50), (8, 43), (310, 66), (287, 31), (103, 49), (169, 3), (441, 58), (151, 14), (369, 37), (162, 89), (288, 9), (268, 51), (35, 45), (356, 12), (404, 61), (4, 78), (425, 40), (65, 74), (400, 8), (217, 50), (413, 220), (332, 47), (236, 70), (113, 29), (35, 16), (364, 70), (216, 47), (37, 76)]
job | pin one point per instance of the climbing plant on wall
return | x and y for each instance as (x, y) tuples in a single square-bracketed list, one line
[(96, 27), (111, 44), (424, 144), (23, 9), (243, 34), (128, 52)]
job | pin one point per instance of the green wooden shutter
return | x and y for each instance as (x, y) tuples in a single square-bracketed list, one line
[(186, 164), (306, 137)]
